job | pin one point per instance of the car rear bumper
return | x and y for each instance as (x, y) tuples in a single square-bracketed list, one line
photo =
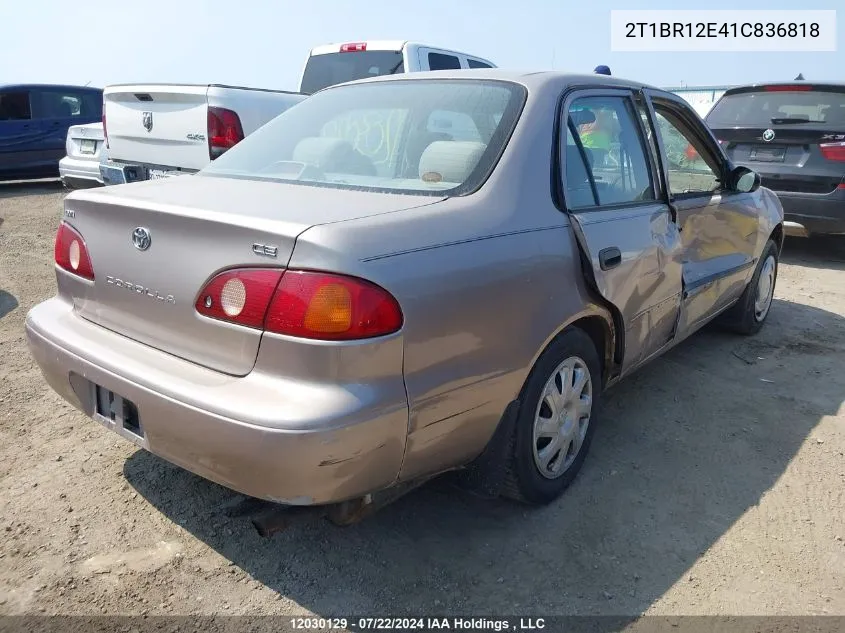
[(86, 170), (330, 446), (815, 213)]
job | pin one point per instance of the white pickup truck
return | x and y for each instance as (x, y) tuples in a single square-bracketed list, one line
[(162, 130)]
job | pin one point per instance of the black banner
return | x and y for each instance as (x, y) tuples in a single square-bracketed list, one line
[(497, 624)]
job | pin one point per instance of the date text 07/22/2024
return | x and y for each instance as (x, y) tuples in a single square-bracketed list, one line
[(422, 624)]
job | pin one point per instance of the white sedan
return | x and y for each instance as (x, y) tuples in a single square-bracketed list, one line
[(85, 147)]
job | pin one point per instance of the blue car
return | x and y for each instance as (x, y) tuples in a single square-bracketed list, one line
[(34, 121)]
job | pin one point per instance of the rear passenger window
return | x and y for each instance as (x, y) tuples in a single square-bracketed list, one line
[(14, 106), (474, 63), (439, 61), (617, 160)]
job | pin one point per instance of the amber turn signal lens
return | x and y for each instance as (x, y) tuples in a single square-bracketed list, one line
[(330, 310)]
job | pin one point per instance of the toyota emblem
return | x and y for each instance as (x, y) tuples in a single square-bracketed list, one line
[(141, 238), (769, 135)]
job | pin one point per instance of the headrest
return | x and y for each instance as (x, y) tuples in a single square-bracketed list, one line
[(450, 161), (582, 116)]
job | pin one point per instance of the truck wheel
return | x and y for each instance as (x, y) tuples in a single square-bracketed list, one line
[(749, 313), (556, 420)]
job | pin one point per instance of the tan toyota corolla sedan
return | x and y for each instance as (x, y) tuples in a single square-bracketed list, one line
[(404, 276)]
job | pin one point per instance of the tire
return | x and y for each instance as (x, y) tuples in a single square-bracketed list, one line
[(527, 480), (748, 315)]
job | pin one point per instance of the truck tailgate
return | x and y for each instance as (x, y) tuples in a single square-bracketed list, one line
[(158, 124)]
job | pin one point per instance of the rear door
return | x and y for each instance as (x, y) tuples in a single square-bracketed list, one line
[(18, 132), (611, 190), (793, 135), (161, 124)]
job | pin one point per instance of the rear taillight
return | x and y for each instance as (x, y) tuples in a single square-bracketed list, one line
[(833, 151), (353, 47), (305, 304), (239, 296), (690, 152), (319, 305), (71, 253), (224, 131)]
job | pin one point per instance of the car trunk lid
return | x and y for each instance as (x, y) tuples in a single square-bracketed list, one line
[(85, 141), (163, 125), (197, 226)]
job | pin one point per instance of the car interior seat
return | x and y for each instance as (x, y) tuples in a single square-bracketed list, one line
[(415, 146)]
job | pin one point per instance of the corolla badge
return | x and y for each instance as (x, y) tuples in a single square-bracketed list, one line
[(140, 289), (141, 238), (769, 135), (147, 121)]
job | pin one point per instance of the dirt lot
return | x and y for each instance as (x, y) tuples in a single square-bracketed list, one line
[(715, 486)]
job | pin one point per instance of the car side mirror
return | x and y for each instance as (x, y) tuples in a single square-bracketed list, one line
[(744, 180)]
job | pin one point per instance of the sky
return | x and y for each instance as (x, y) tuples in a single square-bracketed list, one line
[(264, 43)]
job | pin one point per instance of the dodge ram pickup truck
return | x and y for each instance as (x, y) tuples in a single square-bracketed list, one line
[(160, 130)]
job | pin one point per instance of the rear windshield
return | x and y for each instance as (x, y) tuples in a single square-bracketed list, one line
[(767, 107), (409, 136), (331, 69)]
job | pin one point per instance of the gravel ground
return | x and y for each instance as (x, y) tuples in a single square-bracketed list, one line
[(714, 486)]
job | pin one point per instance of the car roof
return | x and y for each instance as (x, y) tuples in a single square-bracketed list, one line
[(49, 86), (529, 79)]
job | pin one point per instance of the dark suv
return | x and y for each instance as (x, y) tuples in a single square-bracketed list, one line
[(793, 135)]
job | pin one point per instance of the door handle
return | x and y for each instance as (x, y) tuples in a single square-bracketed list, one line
[(610, 257)]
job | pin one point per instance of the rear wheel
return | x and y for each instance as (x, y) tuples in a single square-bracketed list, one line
[(750, 312), (556, 420)]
